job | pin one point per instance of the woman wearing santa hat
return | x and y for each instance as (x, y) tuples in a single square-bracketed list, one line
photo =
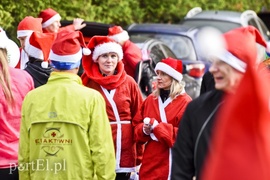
[(156, 123), (196, 127), (132, 53), (14, 85), (104, 71)]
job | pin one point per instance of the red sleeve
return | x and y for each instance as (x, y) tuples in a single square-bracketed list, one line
[(166, 133), (137, 122), (132, 54), (70, 27)]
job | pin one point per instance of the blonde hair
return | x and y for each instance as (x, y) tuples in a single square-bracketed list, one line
[(5, 80), (175, 89)]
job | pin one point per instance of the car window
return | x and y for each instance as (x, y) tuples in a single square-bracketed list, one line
[(156, 54), (223, 26), (264, 29), (181, 46), (139, 38), (168, 51), (252, 22)]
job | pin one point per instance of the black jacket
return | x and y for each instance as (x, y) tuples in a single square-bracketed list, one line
[(40, 75), (194, 133), (208, 83)]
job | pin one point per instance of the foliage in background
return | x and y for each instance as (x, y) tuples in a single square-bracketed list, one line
[(120, 12)]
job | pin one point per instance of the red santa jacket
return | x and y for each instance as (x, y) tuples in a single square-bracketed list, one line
[(156, 162), (124, 97), (132, 55)]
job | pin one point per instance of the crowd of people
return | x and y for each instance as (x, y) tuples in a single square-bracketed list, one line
[(55, 124)]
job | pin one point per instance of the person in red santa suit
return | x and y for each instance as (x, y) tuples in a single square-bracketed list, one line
[(156, 123), (132, 53), (104, 71), (51, 22), (25, 28), (196, 129)]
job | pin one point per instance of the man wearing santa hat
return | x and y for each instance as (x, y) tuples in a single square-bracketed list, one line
[(132, 53), (195, 129), (38, 46), (64, 123), (25, 29), (51, 22)]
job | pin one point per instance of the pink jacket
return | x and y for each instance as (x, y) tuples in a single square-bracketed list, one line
[(22, 83)]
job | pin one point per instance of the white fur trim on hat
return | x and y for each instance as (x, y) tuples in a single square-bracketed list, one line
[(233, 61), (66, 58), (21, 33), (32, 50), (13, 53), (107, 48), (56, 17), (169, 70), (123, 36)]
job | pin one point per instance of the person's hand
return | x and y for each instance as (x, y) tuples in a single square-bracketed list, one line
[(148, 125), (147, 129), (78, 23)]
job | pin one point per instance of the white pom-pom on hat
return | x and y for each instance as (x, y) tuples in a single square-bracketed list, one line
[(86, 51), (210, 41), (45, 64), (146, 120)]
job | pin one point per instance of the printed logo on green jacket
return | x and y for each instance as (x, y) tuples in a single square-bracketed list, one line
[(53, 141)]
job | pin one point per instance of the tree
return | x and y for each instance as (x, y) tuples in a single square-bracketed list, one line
[(120, 12)]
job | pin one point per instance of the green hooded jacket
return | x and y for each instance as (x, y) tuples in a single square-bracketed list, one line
[(65, 132)]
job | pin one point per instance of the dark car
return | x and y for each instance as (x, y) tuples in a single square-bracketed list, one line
[(225, 20), (180, 39), (91, 29)]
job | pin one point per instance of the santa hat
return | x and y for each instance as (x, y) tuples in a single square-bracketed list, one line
[(67, 50), (13, 52), (28, 25), (118, 34), (172, 67), (241, 47), (240, 146), (48, 17), (103, 44), (38, 45)]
